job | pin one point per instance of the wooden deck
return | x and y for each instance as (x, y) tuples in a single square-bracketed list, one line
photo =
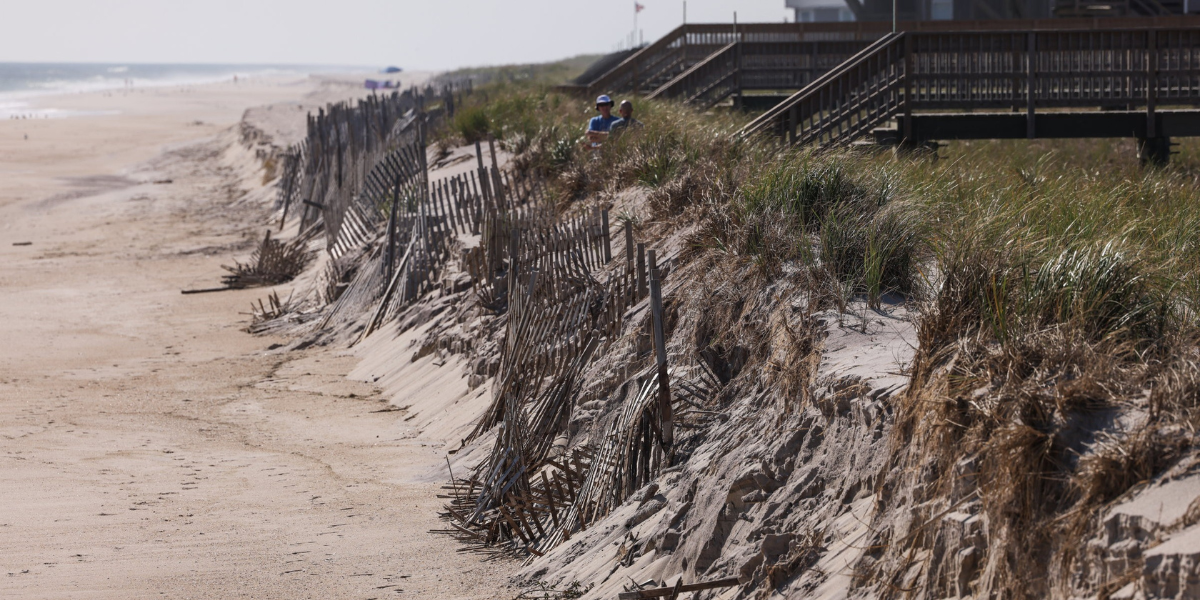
[(1032, 84)]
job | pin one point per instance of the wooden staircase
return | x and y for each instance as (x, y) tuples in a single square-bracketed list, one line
[(691, 62), (1001, 84), (652, 65), (844, 103), (707, 82)]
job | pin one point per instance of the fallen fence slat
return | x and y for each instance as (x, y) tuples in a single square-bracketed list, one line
[(663, 592)]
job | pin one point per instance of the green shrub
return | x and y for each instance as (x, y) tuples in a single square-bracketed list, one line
[(472, 124)]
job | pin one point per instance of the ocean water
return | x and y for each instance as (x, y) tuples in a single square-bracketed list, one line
[(20, 83)]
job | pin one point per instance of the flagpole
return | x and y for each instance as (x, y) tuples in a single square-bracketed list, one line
[(635, 12)]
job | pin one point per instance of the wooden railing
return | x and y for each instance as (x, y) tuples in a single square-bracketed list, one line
[(645, 61), (706, 82), (1009, 70), (834, 101), (780, 65), (687, 45)]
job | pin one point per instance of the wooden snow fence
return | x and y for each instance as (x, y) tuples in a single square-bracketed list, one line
[(290, 178), (447, 222), (346, 141), (395, 205), (396, 187), (393, 234), (531, 494)]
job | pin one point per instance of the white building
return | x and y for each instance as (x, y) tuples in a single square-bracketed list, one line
[(817, 11)]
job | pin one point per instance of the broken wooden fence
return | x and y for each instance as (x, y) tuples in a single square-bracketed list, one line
[(528, 496), (363, 174)]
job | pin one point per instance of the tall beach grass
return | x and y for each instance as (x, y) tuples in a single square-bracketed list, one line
[(1049, 282)]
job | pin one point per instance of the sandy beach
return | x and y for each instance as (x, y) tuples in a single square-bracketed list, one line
[(150, 447)]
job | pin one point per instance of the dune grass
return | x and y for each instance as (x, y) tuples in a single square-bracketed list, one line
[(1064, 232), (1050, 282), (1059, 293)]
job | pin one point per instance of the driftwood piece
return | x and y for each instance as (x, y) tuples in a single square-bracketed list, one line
[(664, 592)]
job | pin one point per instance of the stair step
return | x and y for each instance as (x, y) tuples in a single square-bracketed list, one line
[(886, 135)]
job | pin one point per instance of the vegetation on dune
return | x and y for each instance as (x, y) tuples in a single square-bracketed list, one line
[(1052, 284), (1061, 297), (525, 74)]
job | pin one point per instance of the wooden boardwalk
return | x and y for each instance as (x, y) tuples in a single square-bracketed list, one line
[(975, 85), (938, 80), (706, 63)]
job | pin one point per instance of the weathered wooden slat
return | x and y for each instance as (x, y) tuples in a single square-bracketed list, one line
[(664, 592)]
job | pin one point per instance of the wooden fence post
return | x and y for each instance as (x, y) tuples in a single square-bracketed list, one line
[(390, 255), (607, 236), (629, 245), (482, 172), (498, 184), (664, 383), (652, 266), (641, 270), (532, 282), (513, 249)]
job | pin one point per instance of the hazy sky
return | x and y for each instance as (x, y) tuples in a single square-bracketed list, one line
[(435, 34)]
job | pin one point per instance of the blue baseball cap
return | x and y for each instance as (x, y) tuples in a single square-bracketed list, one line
[(603, 99)]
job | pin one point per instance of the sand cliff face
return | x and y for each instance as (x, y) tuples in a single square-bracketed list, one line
[(774, 489), (793, 495)]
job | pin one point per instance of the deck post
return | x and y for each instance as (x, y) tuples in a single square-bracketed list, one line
[(737, 50), (1030, 63), (909, 87), (1151, 82), (792, 117)]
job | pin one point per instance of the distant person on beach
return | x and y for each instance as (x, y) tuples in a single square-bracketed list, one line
[(626, 121), (599, 126)]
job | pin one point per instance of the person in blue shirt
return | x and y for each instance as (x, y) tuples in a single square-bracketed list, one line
[(599, 126)]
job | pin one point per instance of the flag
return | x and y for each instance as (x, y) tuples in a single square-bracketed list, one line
[(637, 8)]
